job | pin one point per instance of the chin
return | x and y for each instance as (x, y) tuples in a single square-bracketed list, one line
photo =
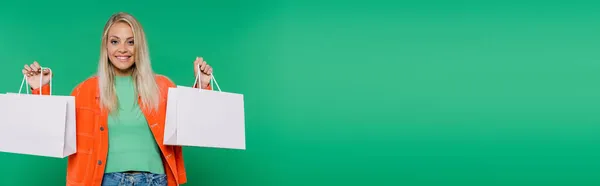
[(123, 67)]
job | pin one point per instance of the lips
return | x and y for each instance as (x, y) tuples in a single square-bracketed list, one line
[(123, 58)]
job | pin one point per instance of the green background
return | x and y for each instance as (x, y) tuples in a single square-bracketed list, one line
[(375, 92)]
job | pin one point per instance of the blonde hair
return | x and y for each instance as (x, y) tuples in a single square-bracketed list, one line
[(142, 72)]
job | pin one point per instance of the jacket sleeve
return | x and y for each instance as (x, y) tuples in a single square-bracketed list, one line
[(75, 175), (180, 164)]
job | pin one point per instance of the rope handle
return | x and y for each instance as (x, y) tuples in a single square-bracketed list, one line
[(26, 83), (212, 79)]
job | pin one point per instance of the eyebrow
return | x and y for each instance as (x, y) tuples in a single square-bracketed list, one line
[(118, 37)]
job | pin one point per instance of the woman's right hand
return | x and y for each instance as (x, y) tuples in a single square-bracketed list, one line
[(33, 71)]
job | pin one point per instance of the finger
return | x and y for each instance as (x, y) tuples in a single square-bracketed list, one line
[(37, 66), (203, 66), (210, 70), (198, 60), (46, 71), (33, 68), (199, 63), (206, 69), (196, 65), (29, 70), (27, 67), (25, 71)]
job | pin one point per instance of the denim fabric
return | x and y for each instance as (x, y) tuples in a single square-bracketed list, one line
[(131, 179)]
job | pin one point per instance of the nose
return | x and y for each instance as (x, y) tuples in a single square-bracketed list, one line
[(122, 48)]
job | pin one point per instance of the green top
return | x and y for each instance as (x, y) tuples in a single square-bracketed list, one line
[(131, 145)]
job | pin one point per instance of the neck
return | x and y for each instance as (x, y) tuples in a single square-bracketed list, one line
[(119, 72)]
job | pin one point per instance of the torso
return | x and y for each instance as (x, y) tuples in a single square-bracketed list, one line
[(87, 166)]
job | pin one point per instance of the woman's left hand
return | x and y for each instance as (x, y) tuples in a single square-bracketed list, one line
[(206, 71)]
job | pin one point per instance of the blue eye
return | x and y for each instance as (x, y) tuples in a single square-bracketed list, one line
[(131, 42), (113, 42)]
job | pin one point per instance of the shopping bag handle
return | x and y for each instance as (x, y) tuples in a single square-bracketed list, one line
[(212, 78), (24, 81)]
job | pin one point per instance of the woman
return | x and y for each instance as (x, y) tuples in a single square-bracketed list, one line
[(121, 112)]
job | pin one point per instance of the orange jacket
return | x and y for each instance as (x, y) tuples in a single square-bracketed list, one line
[(86, 166)]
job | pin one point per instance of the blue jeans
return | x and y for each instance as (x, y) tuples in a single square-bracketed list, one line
[(137, 179)]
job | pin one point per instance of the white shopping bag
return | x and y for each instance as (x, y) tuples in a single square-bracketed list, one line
[(40, 125), (205, 118)]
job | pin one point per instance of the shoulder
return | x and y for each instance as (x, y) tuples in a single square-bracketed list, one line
[(163, 81), (87, 86), (163, 84)]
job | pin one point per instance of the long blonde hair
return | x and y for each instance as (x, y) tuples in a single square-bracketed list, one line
[(142, 72)]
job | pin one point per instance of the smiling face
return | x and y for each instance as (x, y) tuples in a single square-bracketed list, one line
[(120, 47)]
